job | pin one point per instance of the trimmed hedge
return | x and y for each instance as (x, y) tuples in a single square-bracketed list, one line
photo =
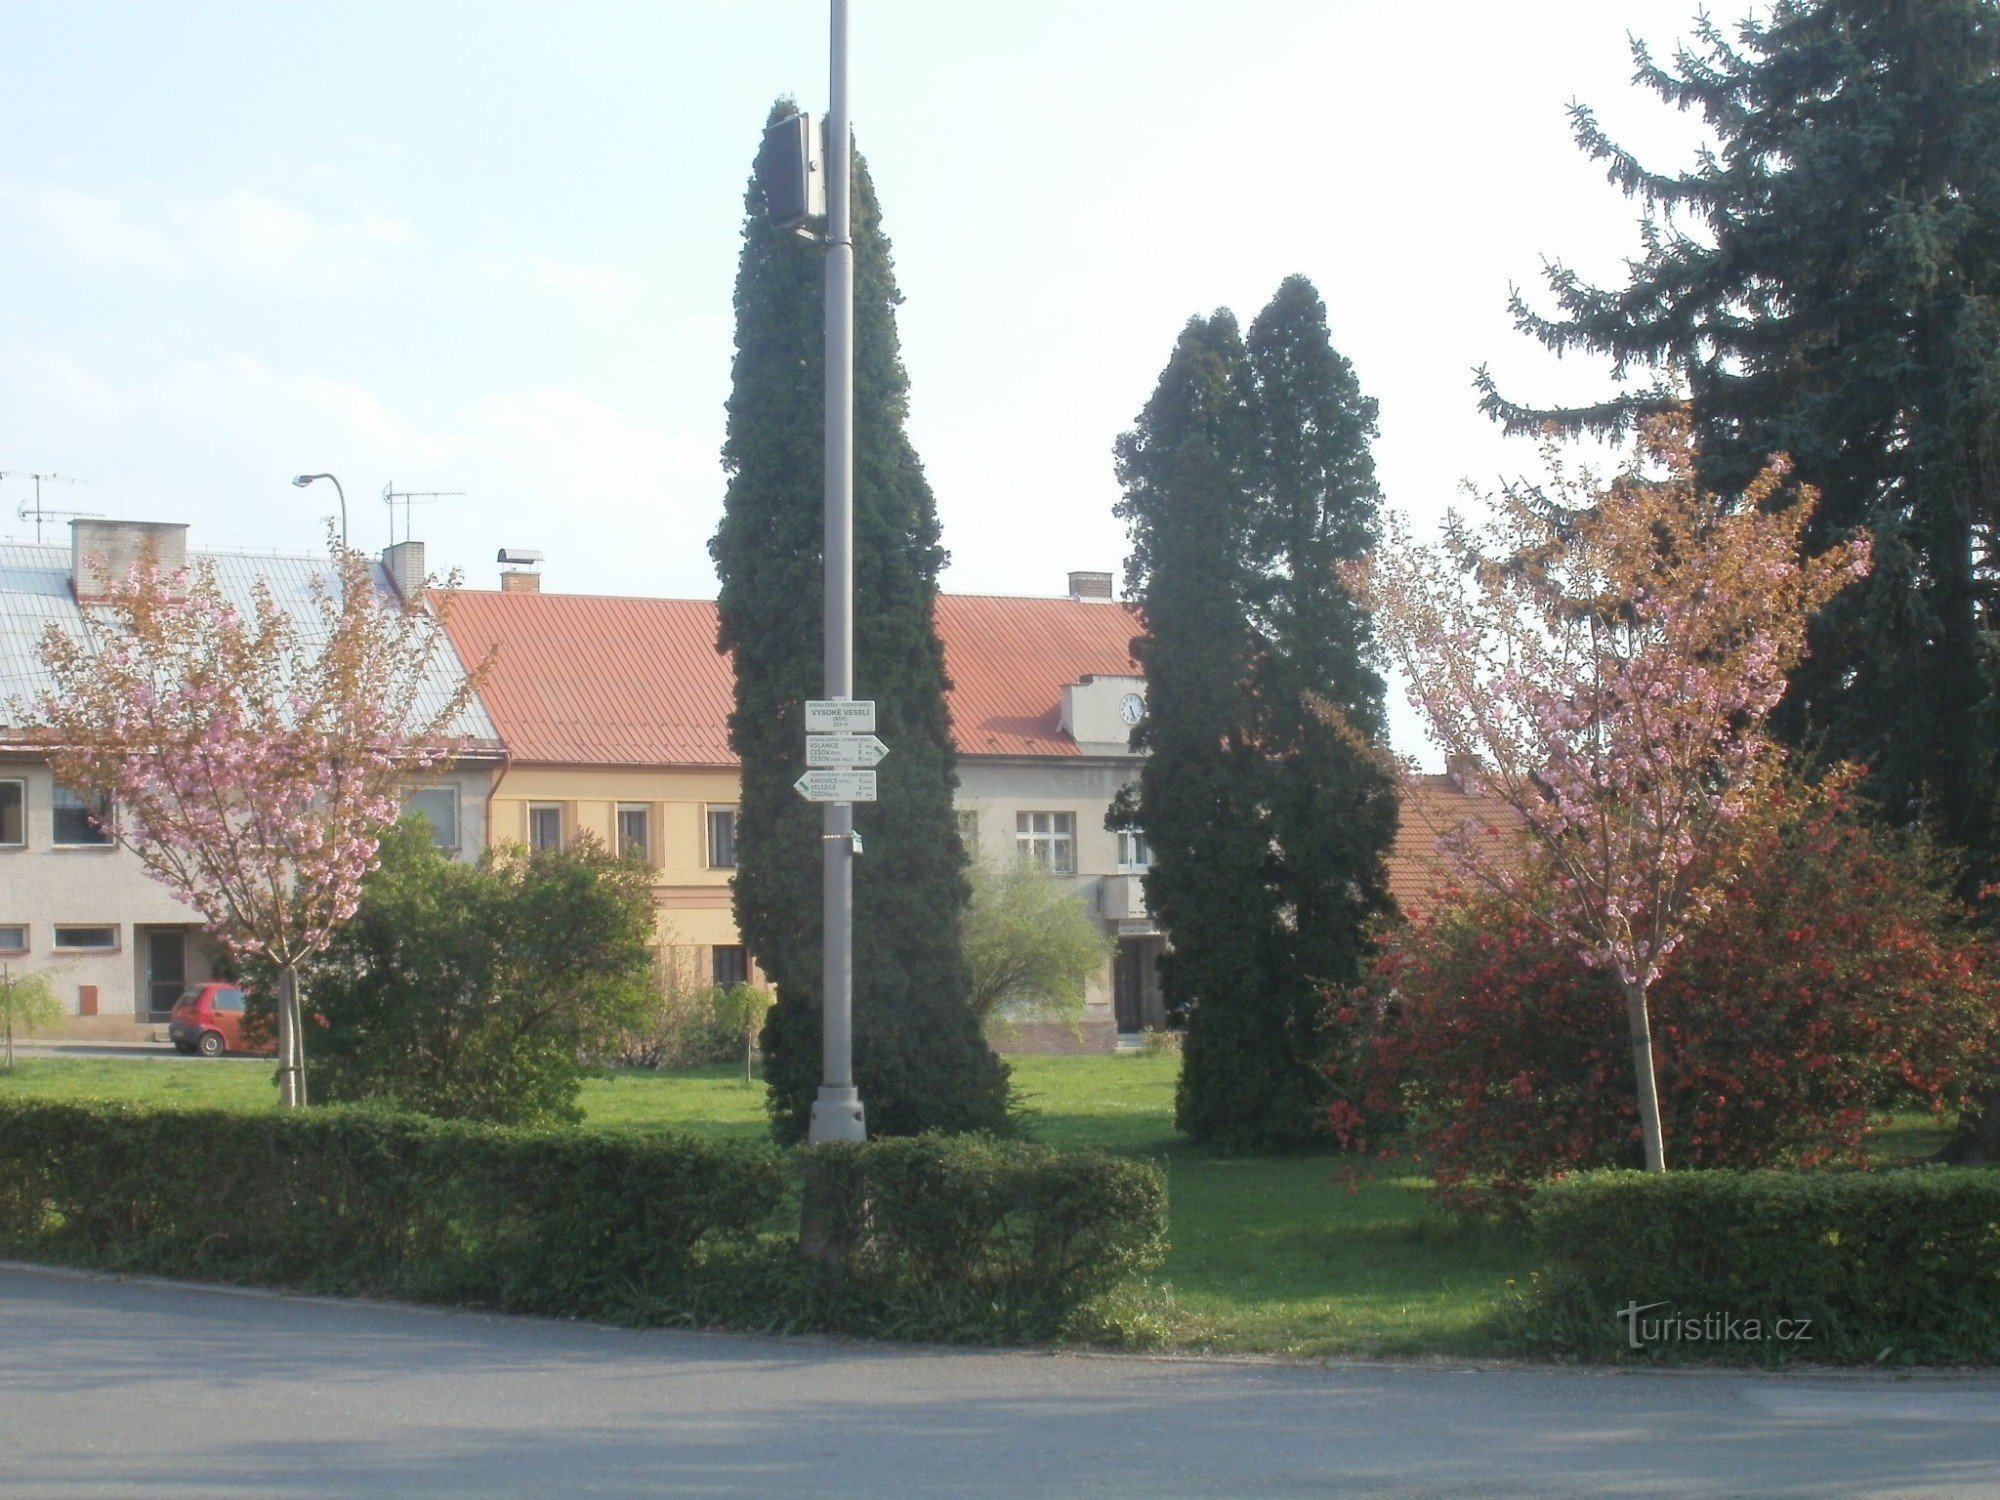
[(966, 1237), (947, 1237), (1890, 1267), (360, 1200)]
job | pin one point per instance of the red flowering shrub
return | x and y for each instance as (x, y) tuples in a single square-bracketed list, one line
[(1833, 981)]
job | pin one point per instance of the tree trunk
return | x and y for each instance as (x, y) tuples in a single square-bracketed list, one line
[(1976, 1142), (291, 1043), (1641, 1027)]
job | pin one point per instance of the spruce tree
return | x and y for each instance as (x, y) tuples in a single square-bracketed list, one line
[(1265, 803), (1826, 284), (920, 1060)]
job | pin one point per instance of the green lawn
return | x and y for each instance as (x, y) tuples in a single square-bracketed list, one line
[(1269, 1255)]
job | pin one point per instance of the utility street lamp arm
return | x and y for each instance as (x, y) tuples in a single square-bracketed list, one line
[(303, 480)]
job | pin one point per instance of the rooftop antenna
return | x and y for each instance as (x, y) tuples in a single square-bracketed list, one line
[(37, 512), (392, 497)]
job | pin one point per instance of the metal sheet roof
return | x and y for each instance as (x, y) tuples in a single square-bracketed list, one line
[(35, 593)]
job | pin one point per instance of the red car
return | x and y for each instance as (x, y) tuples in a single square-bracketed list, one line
[(209, 1019)]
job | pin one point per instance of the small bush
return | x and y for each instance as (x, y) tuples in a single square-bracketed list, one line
[(965, 1237), (471, 991), (1900, 1267), (697, 1025)]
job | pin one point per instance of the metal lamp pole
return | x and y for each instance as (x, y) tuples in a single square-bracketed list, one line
[(305, 479), (837, 1113)]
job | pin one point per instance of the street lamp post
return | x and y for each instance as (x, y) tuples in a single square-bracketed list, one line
[(305, 479), (837, 1112)]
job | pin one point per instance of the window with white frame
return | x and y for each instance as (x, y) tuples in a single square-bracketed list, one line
[(1132, 851), (438, 805), (722, 838), (545, 826), (13, 814), (13, 937), (87, 939), (81, 822), (1048, 838), (635, 831)]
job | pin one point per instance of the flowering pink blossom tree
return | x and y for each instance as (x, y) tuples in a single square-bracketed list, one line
[(252, 758), (1608, 656)]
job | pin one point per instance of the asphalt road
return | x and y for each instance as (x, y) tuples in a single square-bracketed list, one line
[(143, 1389)]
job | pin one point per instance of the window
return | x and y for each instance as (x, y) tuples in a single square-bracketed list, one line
[(545, 825), (635, 831), (968, 831), (13, 937), (81, 821), (722, 838), (438, 805), (13, 825), (730, 965), (1048, 838), (87, 939), (230, 1000), (1132, 851)]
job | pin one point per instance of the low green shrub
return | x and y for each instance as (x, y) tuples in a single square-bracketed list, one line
[(941, 1237), (1856, 1267), (969, 1238), (359, 1200)]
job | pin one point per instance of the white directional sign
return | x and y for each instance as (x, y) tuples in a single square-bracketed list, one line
[(844, 750), (840, 715), (836, 786)]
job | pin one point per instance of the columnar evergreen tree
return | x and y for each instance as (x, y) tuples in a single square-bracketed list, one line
[(1320, 721), (1824, 283), (1265, 802), (920, 1060)]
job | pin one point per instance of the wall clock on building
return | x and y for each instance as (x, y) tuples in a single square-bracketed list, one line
[(1131, 708)]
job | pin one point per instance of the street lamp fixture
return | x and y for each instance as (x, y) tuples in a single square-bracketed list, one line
[(305, 479)]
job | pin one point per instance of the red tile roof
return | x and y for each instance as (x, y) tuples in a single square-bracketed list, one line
[(1009, 660), (1433, 808), (585, 679)]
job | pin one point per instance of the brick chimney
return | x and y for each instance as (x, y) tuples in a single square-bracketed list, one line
[(1464, 771), (101, 551), (521, 576), (1092, 587), (405, 564)]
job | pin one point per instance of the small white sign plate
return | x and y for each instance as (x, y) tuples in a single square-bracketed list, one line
[(844, 750), (836, 786), (840, 715)]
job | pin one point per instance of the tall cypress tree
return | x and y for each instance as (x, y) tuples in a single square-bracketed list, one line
[(920, 1060), (1267, 808), (1320, 721), (1841, 303)]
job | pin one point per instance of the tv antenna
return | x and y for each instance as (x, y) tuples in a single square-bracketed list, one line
[(393, 497), (37, 512)]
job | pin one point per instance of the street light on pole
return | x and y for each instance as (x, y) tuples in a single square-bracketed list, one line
[(305, 479)]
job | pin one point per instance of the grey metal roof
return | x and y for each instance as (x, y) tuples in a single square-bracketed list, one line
[(35, 593)]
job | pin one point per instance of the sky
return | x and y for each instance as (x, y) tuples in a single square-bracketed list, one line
[(490, 248)]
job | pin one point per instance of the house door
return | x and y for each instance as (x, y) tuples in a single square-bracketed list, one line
[(1128, 986), (166, 970)]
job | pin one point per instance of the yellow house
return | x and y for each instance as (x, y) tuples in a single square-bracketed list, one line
[(615, 714)]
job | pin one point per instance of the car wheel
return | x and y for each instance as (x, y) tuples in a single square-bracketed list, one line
[(210, 1044)]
